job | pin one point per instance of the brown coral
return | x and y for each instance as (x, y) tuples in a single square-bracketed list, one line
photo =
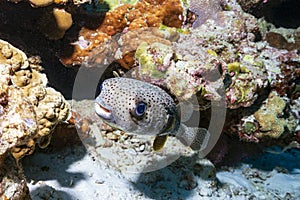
[(126, 17), (287, 82), (55, 23), (29, 109)]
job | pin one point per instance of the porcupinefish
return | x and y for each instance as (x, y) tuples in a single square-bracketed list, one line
[(142, 108)]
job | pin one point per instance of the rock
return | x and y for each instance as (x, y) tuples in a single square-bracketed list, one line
[(29, 109), (12, 181)]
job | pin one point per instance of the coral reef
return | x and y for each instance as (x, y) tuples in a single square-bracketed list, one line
[(201, 60), (144, 13), (284, 70), (162, 65), (270, 121), (122, 49), (29, 109), (229, 49), (235, 50), (211, 46), (249, 5)]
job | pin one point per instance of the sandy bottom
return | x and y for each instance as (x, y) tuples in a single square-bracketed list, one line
[(73, 174), (113, 165)]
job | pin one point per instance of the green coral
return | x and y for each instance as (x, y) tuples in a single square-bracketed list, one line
[(234, 67), (247, 77), (153, 59), (249, 128), (269, 117)]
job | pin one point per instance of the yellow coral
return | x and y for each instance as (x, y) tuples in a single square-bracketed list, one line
[(40, 3), (63, 19), (268, 117)]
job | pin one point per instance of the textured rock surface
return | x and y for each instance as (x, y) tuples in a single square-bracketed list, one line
[(146, 13), (29, 110), (273, 120), (12, 181)]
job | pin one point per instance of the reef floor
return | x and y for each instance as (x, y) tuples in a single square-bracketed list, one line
[(69, 170)]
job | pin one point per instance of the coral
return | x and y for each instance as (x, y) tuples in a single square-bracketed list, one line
[(18, 124), (283, 70), (284, 67), (29, 109), (122, 48), (153, 59), (246, 82), (40, 3), (248, 5), (63, 19), (220, 50), (278, 41), (160, 64), (121, 19), (287, 82), (54, 23), (230, 45), (268, 117), (270, 121), (226, 42)]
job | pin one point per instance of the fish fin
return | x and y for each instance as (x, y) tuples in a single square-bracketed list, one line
[(186, 110), (159, 142), (196, 138)]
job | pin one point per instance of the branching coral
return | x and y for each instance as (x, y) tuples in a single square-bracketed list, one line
[(29, 110)]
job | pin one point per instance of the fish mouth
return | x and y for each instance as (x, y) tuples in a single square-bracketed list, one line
[(102, 110)]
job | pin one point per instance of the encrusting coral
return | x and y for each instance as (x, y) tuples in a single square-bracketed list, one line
[(268, 117), (222, 49), (270, 121), (228, 46), (29, 110), (146, 13)]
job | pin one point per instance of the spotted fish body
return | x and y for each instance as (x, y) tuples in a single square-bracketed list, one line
[(142, 108)]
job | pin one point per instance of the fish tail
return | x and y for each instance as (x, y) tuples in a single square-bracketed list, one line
[(194, 137)]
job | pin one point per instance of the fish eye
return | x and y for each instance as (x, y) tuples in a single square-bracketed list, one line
[(140, 109)]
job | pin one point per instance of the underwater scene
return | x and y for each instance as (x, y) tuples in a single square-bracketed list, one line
[(149, 99)]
